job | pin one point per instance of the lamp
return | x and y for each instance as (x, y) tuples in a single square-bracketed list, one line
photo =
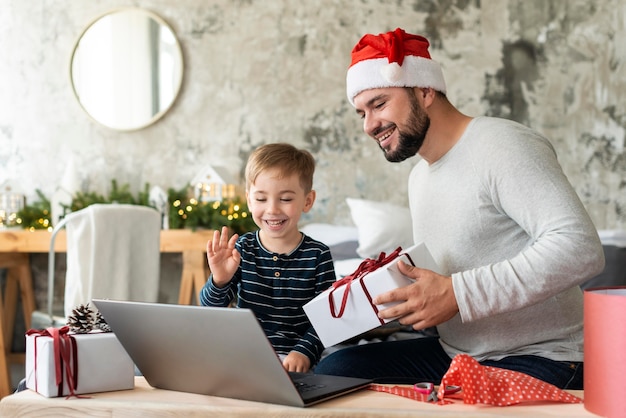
[(10, 205)]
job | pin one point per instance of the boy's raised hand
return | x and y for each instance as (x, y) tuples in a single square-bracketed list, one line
[(222, 256)]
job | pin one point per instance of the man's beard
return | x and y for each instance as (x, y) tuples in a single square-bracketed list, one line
[(410, 142)]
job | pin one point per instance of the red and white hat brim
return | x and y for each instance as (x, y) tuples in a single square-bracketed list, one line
[(379, 73)]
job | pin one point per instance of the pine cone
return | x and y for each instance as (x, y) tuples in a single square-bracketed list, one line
[(81, 321), (101, 323)]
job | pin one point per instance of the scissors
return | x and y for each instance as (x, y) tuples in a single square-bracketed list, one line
[(428, 388)]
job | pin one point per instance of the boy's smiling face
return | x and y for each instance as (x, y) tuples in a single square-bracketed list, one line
[(276, 203)]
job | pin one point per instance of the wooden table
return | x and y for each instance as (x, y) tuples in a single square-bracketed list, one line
[(147, 401), (16, 245), (192, 245)]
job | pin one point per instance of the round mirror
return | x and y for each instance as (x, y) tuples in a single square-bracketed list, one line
[(127, 69)]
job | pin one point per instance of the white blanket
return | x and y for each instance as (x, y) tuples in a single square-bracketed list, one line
[(112, 252)]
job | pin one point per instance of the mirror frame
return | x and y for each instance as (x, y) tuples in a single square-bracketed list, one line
[(178, 55)]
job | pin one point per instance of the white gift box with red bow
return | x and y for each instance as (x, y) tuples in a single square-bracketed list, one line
[(80, 364), (345, 310)]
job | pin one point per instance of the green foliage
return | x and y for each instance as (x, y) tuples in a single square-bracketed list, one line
[(116, 195), (37, 215), (185, 211)]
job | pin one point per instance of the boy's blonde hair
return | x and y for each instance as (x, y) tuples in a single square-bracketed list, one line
[(285, 158)]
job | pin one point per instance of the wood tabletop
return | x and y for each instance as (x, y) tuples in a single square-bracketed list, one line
[(38, 241), (144, 400)]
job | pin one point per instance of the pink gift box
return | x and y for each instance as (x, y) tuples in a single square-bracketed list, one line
[(336, 320), (98, 363)]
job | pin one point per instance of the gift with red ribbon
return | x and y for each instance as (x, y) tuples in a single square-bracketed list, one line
[(346, 309), (61, 363)]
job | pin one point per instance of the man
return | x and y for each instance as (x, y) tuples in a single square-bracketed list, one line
[(491, 203)]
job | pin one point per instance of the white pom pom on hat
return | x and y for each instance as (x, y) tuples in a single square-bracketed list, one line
[(392, 59)]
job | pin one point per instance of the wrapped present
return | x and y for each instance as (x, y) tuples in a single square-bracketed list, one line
[(346, 310), (62, 363)]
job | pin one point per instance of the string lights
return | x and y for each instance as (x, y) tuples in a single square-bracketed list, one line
[(185, 210)]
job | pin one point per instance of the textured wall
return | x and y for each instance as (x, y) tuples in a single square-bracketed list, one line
[(261, 71)]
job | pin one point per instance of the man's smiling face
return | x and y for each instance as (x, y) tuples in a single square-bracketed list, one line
[(394, 118)]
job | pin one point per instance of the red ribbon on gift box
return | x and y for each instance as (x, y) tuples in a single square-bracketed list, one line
[(65, 356), (367, 266)]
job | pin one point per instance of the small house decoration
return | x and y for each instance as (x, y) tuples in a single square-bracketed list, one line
[(214, 184)]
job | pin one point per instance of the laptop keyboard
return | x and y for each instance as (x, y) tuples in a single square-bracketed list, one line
[(304, 387), (302, 382)]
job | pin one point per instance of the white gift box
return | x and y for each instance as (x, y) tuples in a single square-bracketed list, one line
[(359, 314), (101, 365)]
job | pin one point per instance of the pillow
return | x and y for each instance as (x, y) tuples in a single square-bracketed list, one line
[(382, 226), (330, 234)]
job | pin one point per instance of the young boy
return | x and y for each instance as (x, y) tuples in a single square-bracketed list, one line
[(277, 269)]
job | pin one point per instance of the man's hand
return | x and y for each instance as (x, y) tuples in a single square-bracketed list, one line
[(426, 303), (296, 362), (222, 256)]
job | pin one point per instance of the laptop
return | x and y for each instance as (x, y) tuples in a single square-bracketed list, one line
[(213, 351)]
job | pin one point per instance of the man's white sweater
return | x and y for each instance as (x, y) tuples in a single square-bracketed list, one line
[(499, 215)]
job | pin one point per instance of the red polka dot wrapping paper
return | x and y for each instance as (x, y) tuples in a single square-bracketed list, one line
[(499, 387)]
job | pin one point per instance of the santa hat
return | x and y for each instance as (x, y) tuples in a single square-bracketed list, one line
[(392, 59)]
